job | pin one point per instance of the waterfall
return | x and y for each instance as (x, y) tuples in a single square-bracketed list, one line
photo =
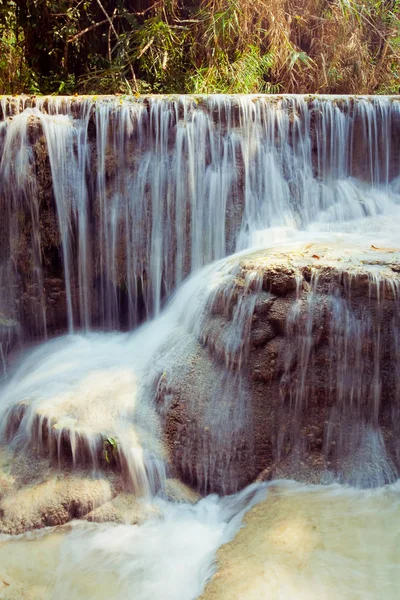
[(109, 203), (212, 288)]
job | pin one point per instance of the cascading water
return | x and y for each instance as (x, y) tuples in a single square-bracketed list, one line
[(109, 204), (132, 195)]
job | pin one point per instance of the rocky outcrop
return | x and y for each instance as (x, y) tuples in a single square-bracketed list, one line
[(35, 494), (296, 375)]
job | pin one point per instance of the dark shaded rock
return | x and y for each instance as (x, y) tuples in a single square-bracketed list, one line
[(280, 282), (266, 363), (261, 332), (279, 312)]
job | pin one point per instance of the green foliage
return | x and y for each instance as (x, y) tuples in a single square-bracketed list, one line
[(200, 46), (246, 74), (159, 53), (110, 450)]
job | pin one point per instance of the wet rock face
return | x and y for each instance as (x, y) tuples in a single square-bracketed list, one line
[(317, 353), (206, 427), (9, 330)]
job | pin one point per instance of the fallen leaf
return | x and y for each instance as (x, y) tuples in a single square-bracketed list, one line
[(389, 250), (316, 256)]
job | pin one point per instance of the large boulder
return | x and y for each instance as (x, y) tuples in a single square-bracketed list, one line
[(294, 372)]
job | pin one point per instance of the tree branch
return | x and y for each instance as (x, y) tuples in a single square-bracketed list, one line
[(108, 18), (86, 30), (143, 50)]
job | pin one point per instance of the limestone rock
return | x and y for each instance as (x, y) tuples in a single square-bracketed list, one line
[(310, 348)]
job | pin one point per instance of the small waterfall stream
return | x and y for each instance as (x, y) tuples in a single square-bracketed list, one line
[(147, 237)]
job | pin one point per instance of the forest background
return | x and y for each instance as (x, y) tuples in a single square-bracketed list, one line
[(199, 46)]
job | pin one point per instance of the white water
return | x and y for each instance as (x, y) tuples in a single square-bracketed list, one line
[(101, 385), (169, 557), (303, 542), (100, 382)]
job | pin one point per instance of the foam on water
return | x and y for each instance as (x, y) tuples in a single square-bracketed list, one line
[(299, 542), (170, 556)]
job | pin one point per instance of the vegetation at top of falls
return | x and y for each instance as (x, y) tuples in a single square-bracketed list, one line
[(199, 46)]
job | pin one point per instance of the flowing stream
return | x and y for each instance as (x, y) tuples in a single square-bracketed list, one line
[(135, 214), (302, 542)]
